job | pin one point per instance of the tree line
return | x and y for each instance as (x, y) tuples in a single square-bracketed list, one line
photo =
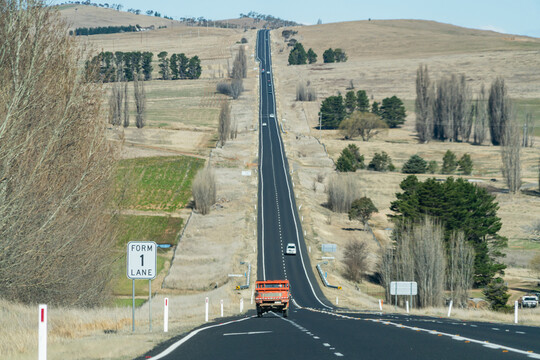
[(335, 109), (299, 56), (104, 30), (124, 66)]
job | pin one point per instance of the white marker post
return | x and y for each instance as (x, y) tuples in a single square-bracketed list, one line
[(252, 294), (407, 305), (166, 315), (337, 300), (450, 307), (221, 302), (241, 305), (516, 312), (42, 333), (380, 304), (206, 310)]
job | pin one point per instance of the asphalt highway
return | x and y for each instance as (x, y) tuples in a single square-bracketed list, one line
[(315, 329)]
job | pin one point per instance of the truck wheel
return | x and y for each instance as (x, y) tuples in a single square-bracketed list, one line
[(286, 313)]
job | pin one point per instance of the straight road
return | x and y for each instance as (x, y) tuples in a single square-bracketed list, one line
[(314, 329)]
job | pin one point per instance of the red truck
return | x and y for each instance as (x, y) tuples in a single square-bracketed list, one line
[(272, 295)]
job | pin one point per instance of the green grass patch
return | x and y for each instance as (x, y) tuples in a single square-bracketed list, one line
[(161, 229), (122, 302), (524, 244), (158, 183), (123, 286)]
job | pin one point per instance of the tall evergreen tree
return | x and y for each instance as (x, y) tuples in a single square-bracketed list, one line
[(329, 56), (332, 111), (450, 163), (194, 68), (350, 101), (298, 55), (362, 101), (393, 111), (147, 65), (311, 56)]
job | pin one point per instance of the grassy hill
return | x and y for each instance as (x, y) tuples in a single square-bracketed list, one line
[(92, 16)]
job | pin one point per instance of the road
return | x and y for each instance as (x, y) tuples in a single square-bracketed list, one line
[(314, 328)]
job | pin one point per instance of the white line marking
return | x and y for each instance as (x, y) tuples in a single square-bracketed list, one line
[(174, 346), (326, 344), (247, 333), (338, 354), (520, 332)]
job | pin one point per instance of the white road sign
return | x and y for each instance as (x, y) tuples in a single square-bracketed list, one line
[(141, 260), (403, 288)]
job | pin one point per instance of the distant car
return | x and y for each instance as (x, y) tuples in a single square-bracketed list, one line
[(264, 124), (263, 71), (269, 84), (272, 116), (291, 249)]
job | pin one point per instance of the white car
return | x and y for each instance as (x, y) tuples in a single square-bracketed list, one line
[(264, 124), (291, 249), (271, 115)]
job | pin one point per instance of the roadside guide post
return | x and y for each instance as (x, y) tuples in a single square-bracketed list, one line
[(141, 265)]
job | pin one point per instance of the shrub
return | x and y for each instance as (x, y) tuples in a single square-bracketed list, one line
[(329, 56), (350, 159), (305, 93), (312, 56), (465, 164), (340, 55), (355, 260), (449, 163), (415, 165), (362, 209), (342, 190), (381, 162), (244, 40), (496, 294), (204, 190), (432, 167), (224, 88)]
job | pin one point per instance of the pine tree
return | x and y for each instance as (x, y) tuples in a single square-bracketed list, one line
[(393, 111), (496, 292), (465, 164), (362, 101), (332, 111), (329, 56), (449, 163), (311, 56), (350, 101), (415, 165)]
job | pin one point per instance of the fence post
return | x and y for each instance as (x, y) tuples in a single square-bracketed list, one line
[(516, 312), (206, 310), (42, 333), (166, 315)]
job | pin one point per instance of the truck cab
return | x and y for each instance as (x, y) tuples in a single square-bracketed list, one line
[(272, 295)]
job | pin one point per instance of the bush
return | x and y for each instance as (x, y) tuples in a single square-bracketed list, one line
[(496, 294), (244, 40), (449, 163), (355, 260), (224, 88), (305, 93), (340, 55), (362, 209), (350, 159), (342, 190), (204, 190), (415, 165), (329, 56), (432, 167), (381, 162), (465, 164)]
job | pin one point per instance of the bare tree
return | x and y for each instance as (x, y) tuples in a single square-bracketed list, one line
[(56, 164), (480, 117), (239, 70), (126, 106), (140, 102), (510, 153), (305, 92), (224, 123), (498, 110), (204, 190), (460, 270), (342, 190), (452, 108), (424, 104), (237, 86), (355, 260), (116, 100), (528, 131), (418, 256)]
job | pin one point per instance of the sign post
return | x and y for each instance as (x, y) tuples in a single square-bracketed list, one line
[(403, 288), (141, 265), (42, 333)]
